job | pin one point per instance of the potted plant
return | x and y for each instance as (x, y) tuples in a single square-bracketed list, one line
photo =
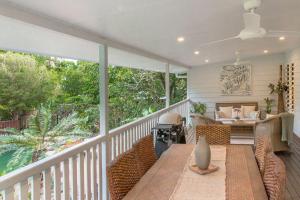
[(279, 89), (269, 103), (199, 108)]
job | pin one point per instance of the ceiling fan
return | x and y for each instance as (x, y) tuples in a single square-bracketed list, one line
[(253, 27)]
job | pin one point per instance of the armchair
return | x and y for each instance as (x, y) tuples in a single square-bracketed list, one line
[(272, 127)]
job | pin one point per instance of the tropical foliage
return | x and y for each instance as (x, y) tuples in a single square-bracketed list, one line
[(279, 88), (70, 89), (42, 135), (199, 108)]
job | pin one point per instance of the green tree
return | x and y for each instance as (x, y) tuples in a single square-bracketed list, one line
[(23, 84), (31, 144), (177, 87), (79, 82), (133, 93)]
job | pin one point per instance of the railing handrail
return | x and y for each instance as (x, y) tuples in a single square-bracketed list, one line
[(23, 173)]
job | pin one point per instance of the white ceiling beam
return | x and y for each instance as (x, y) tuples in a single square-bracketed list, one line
[(16, 12)]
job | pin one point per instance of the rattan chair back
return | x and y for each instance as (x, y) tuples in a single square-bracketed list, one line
[(262, 148), (215, 134), (274, 177), (123, 173), (145, 153)]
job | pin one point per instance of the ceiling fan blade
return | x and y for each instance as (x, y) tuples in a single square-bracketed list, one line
[(272, 33), (218, 41)]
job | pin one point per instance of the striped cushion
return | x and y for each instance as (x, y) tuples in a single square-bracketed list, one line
[(274, 177)]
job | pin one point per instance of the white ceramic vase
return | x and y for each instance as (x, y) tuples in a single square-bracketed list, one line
[(202, 153)]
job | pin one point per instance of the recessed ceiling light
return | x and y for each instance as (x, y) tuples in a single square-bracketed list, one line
[(180, 39), (282, 38), (206, 60), (266, 51), (196, 52)]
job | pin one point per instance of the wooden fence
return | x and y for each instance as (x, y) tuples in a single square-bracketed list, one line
[(20, 123), (10, 124)]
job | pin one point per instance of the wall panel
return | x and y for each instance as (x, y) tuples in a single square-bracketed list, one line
[(204, 86)]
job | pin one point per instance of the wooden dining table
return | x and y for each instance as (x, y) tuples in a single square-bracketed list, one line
[(239, 179)]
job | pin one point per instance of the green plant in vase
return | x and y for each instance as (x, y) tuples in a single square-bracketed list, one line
[(199, 108), (269, 103)]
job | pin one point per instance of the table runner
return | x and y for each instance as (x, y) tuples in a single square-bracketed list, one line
[(243, 180), (210, 186)]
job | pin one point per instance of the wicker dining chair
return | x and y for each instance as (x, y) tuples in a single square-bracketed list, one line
[(215, 134), (123, 173), (274, 177), (145, 153), (263, 146)]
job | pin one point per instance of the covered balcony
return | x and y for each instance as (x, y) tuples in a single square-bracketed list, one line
[(241, 93), (79, 172)]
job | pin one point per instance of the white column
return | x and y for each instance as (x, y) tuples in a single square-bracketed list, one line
[(167, 85), (188, 97), (104, 130)]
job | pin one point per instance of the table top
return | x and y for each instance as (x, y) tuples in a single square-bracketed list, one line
[(243, 180)]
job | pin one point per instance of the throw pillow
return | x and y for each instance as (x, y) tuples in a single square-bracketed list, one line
[(254, 115), (219, 114), (226, 111), (246, 110)]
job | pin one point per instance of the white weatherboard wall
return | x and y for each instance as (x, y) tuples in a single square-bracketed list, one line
[(294, 57), (204, 85)]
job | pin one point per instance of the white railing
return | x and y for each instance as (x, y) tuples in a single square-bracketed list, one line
[(76, 173)]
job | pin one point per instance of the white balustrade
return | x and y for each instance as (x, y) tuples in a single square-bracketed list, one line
[(76, 173)]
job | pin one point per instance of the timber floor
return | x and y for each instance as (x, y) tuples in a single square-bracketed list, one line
[(292, 164)]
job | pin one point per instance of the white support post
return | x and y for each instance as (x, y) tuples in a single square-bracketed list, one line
[(188, 97), (103, 62), (167, 85)]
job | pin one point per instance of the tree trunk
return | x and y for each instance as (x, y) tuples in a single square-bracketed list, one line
[(36, 155), (280, 106)]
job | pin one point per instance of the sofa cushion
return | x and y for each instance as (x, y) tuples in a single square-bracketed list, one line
[(246, 110), (219, 114), (226, 112), (254, 115)]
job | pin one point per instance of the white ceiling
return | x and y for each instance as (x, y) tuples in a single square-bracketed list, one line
[(20, 36), (154, 25)]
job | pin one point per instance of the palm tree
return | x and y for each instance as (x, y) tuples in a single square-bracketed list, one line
[(31, 144)]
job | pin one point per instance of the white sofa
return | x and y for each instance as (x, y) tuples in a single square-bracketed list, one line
[(228, 111)]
